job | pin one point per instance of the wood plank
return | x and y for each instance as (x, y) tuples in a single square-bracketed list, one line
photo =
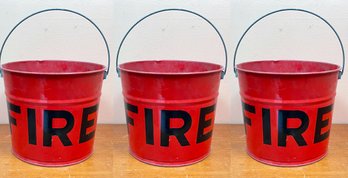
[(227, 159)]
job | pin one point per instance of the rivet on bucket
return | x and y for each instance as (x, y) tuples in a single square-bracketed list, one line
[(53, 106), (170, 106), (287, 106)]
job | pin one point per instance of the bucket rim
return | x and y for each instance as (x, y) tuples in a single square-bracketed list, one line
[(4, 68), (338, 68), (219, 69)]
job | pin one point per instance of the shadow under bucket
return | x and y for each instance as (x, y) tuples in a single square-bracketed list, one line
[(170, 109), (52, 108), (287, 108)]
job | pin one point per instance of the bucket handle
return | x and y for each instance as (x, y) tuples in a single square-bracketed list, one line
[(106, 72), (173, 9), (301, 10)]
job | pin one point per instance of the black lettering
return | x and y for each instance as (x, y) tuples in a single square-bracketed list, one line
[(318, 137), (31, 126), (284, 131), (179, 133), (266, 125), (247, 120), (14, 108), (84, 137), (133, 109), (49, 131), (149, 126), (201, 137)]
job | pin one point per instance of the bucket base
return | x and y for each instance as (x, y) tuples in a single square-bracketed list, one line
[(51, 164), (166, 164), (283, 164)]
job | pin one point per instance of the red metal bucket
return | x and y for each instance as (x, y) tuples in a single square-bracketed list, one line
[(170, 108), (53, 108), (287, 108)]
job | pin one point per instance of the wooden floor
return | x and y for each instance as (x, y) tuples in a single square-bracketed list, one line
[(227, 159)]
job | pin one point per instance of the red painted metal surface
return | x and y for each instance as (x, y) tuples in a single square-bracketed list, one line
[(170, 109), (52, 109), (287, 108)]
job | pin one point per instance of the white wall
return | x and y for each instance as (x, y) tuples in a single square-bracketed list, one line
[(58, 35)]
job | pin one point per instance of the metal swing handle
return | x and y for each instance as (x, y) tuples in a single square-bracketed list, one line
[(164, 10), (65, 10), (281, 10)]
